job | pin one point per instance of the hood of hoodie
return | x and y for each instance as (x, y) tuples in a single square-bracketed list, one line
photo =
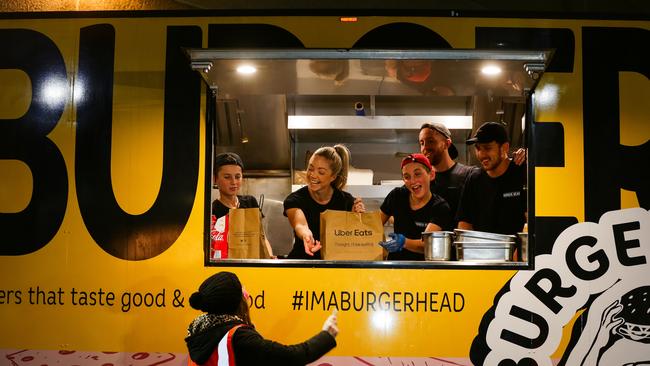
[(205, 332)]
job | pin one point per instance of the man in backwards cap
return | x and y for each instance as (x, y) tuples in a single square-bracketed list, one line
[(436, 145), (495, 199)]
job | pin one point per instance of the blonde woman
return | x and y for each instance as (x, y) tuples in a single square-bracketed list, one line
[(327, 174)]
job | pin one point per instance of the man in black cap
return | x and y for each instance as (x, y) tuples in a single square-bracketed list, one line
[(495, 199), (436, 145)]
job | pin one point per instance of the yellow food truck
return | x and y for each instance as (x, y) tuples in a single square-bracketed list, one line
[(110, 122)]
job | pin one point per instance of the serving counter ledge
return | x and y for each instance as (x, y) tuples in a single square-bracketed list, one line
[(273, 263)]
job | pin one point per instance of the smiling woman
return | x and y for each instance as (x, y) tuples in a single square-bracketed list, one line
[(327, 174), (414, 210)]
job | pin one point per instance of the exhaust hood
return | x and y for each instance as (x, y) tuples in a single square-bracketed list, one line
[(266, 109), (450, 72)]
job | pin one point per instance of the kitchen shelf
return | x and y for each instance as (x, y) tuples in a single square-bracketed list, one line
[(365, 129), (375, 123)]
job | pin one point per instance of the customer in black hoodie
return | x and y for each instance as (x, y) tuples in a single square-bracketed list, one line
[(226, 331)]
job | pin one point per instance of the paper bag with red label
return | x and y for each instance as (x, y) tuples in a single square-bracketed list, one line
[(245, 238), (351, 236)]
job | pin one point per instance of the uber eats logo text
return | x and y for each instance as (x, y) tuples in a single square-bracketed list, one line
[(355, 232)]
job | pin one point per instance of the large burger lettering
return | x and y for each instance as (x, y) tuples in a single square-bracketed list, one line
[(608, 260)]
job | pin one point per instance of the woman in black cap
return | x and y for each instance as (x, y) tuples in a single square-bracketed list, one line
[(225, 332)]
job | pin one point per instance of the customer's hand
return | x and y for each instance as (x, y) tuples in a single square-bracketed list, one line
[(331, 324), (395, 244)]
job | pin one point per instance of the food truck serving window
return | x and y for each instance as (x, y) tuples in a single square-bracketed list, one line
[(439, 148)]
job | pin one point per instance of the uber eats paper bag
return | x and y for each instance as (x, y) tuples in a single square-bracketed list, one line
[(245, 239), (351, 236)]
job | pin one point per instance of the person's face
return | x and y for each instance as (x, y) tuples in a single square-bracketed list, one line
[(432, 145), (417, 179), (319, 174), (415, 70), (491, 154), (229, 178)]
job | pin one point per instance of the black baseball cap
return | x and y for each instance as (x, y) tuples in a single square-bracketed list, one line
[(443, 130), (227, 158), (488, 132)]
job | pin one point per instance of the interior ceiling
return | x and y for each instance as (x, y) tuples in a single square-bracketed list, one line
[(637, 8)]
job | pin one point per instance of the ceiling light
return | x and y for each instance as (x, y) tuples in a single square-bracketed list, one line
[(246, 69), (491, 70)]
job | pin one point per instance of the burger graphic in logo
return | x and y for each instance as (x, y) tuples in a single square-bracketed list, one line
[(636, 315), (623, 333)]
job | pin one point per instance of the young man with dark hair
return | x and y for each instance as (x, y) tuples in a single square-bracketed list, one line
[(494, 200)]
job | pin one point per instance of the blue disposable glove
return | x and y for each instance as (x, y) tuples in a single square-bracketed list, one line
[(395, 244)]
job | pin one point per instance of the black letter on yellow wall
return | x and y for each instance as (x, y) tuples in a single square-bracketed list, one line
[(126, 236), (524, 341), (25, 139), (609, 166)]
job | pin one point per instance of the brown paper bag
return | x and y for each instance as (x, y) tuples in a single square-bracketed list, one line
[(245, 238), (351, 236)]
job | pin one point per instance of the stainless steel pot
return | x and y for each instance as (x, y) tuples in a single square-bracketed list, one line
[(484, 251), (437, 245)]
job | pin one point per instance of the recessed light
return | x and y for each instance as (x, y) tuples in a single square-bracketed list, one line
[(491, 70), (246, 69)]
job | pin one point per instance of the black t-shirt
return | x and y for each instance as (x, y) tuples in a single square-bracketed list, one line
[(449, 184), (411, 223), (219, 209), (301, 199), (496, 205)]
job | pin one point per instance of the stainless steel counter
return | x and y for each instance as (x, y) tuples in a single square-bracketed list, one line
[(375, 264)]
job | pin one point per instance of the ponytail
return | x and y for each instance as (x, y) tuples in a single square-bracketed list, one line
[(339, 158), (342, 178)]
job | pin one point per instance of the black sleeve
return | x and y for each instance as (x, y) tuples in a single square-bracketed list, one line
[(442, 216), (292, 201), (349, 200), (252, 349), (388, 206), (248, 202), (218, 209), (465, 204)]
